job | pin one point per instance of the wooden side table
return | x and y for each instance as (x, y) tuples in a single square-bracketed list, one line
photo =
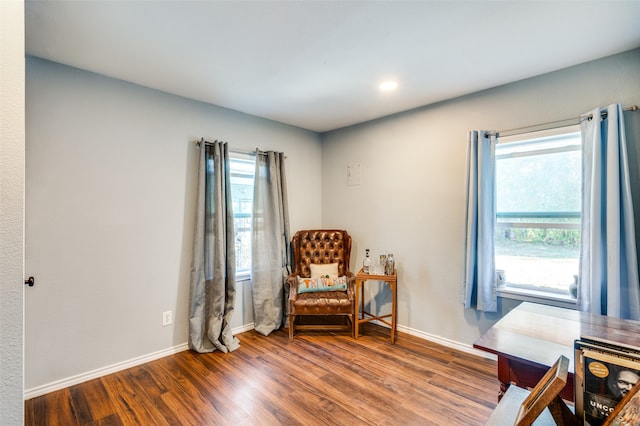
[(363, 316)]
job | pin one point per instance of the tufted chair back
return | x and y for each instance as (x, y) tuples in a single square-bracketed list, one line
[(320, 246)]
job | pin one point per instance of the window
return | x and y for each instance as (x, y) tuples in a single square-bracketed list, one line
[(242, 177), (538, 210)]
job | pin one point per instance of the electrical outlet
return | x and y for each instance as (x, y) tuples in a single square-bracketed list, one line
[(166, 318)]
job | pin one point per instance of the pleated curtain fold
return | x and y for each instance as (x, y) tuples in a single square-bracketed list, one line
[(213, 269), (479, 284), (270, 255), (608, 282)]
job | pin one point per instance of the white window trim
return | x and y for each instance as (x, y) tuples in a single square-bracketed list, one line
[(540, 134), (559, 300), (244, 276)]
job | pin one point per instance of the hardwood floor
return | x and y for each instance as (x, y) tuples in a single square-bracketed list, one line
[(318, 378)]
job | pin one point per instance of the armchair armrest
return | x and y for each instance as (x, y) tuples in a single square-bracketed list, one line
[(293, 286), (351, 285)]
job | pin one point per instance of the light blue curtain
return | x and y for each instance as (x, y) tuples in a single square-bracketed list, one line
[(213, 267), (608, 282), (270, 242), (479, 284)]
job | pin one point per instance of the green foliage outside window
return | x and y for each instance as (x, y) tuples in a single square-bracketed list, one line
[(569, 238)]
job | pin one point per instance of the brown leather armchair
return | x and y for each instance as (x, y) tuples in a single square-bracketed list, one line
[(321, 246)]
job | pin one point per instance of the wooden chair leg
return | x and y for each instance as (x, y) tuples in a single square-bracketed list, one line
[(292, 319), (354, 318)]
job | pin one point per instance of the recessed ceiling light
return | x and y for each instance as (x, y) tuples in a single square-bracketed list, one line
[(388, 85)]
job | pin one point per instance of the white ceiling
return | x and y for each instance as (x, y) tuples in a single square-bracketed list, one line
[(317, 64)]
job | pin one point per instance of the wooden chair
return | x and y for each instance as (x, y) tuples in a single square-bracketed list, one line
[(321, 247), (519, 407)]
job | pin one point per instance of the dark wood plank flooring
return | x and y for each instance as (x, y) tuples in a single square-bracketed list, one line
[(318, 378)]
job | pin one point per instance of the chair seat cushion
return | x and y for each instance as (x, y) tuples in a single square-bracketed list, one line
[(323, 303), (307, 285)]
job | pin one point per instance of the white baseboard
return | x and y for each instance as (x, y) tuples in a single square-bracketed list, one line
[(94, 374), (243, 328), (103, 371), (463, 347), (109, 369)]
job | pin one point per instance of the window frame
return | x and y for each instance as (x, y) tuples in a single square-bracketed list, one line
[(533, 293), (234, 157)]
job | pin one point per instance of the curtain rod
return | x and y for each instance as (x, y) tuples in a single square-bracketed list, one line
[(237, 151), (555, 124)]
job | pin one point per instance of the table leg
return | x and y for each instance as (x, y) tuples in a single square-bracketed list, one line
[(394, 304), (503, 390), (504, 375), (356, 317), (362, 299)]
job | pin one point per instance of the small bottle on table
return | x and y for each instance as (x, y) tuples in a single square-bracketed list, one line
[(366, 265), (390, 266)]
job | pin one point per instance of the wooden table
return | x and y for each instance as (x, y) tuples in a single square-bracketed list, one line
[(363, 316), (530, 338)]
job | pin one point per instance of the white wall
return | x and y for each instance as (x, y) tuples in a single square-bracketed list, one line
[(110, 185), (411, 197), (12, 79)]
